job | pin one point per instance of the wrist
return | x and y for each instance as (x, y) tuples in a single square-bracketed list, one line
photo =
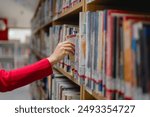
[(52, 60)]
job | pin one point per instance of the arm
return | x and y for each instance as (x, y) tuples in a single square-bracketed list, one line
[(10, 80), (23, 76)]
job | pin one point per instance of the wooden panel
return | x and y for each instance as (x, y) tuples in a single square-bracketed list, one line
[(81, 92), (87, 95)]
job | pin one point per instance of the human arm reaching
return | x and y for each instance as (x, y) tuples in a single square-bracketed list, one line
[(10, 80)]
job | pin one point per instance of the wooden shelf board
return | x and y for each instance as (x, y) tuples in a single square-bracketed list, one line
[(47, 24), (96, 95), (36, 30), (42, 27), (122, 5), (66, 74)]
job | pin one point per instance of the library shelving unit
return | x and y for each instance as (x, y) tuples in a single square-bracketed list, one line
[(7, 54), (71, 16), (13, 54)]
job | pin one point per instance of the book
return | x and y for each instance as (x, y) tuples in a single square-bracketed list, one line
[(62, 85), (107, 58)]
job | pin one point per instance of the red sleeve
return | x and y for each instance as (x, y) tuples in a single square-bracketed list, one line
[(10, 80)]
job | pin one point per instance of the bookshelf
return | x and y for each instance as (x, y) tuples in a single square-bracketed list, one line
[(71, 16), (7, 54)]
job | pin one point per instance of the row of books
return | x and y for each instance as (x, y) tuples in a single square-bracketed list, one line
[(63, 5), (13, 54), (22, 52), (58, 34), (36, 43), (6, 50), (112, 54), (50, 39), (44, 14), (50, 9), (64, 89), (7, 54), (7, 64)]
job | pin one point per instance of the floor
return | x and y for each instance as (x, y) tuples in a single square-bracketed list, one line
[(18, 94)]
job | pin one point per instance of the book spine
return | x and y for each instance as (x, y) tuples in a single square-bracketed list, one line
[(128, 71), (109, 58)]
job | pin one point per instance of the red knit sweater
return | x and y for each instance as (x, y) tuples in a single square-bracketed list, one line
[(10, 80)]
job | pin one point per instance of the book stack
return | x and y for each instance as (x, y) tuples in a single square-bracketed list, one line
[(64, 89), (114, 53), (44, 14)]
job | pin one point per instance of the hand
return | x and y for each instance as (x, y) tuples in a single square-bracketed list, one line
[(62, 49)]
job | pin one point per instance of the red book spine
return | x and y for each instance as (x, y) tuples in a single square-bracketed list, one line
[(109, 58)]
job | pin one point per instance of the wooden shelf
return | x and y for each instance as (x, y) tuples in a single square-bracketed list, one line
[(36, 30), (94, 5), (140, 6), (66, 74), (46, 24), (42, 27), (97, 96), (70, 11)]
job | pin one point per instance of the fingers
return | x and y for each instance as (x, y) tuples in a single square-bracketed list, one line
[(69, 43), (70, 50), (69, 46)]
